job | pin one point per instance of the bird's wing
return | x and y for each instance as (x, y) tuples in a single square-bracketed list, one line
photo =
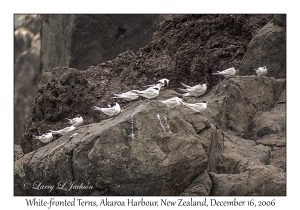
[(185, 85)]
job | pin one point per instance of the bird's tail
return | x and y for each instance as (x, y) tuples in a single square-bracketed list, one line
[(54, 132), (97, 108), (216, 73), (118, 96), (185, 85)]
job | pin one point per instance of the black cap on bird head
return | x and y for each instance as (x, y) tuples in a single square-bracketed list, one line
[(165, 83), (205, 102)]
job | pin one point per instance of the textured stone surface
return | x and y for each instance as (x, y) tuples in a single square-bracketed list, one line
[(27, 69), (153, 163), (167, 157), (18, 153), (267, 48), (81, 41)]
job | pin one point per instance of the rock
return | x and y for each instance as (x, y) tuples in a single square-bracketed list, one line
[(256, 181), (201, 186), (162, 151), (27, 69), (103, 155), (279, 19), (267, 48), (22, 41), (59, 92), (18, 153), (27, 75), (278, 157), (273, 122), (81, 41), (31, 22)]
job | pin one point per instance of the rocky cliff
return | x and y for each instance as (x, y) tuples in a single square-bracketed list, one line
[(235, 147), (27, 68)]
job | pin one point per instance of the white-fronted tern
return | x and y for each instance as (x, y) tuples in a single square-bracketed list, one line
[(45, 138), (197, 107), (77, 121), (149, 93), (128, 96), (110, 111), (196, 90), (63, 131), (230, 72), (261, 71), (172, 102)]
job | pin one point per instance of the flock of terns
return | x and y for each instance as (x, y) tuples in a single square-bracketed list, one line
[(151, 92)]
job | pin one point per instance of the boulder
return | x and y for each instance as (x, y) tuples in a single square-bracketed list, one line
[(30, 22), (81, 41), (256, 181), (105, 155), (150, 149), (267, 48), (27, 69), (27, 75), (22, 41), (201, 186), (18, 153)]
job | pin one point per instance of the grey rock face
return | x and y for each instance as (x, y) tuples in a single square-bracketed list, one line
[(267, 48), (18, 153), (27, 71), (184, 154), (81, 41), (104, 154), (235, 147)]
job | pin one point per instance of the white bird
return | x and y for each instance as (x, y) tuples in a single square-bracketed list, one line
[(227, 72), (110, 111), (63, 131), (45, 138), (196, 90), (128, 96), (197, 107), (149, 93), (162, 83), (172, 102), (261, 71), (77, 121)]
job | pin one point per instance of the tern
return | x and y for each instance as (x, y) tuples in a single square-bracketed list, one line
[(172, 102), (110, 111), (261, 71), (128, 96), (63, 131), (230, 72), (196, 90), (149, 93), (45, 138), (197, 107), (77, 121)]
